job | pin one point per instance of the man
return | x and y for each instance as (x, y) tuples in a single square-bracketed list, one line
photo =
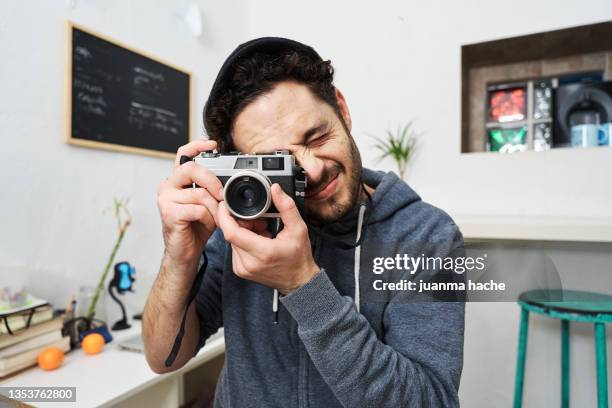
[(329, 347)]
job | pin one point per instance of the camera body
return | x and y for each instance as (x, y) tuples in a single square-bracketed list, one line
[(247, 179)]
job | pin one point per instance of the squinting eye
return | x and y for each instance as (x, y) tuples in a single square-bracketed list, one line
[(318, 141)]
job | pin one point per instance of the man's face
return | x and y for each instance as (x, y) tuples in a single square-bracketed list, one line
[(290, 117)]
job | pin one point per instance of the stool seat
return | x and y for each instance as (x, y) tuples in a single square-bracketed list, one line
[(571, 301)]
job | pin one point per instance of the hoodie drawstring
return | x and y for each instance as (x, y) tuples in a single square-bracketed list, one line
[(358, 254), (275, 305)]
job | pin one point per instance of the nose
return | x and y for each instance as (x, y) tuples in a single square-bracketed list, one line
[(313, 166)]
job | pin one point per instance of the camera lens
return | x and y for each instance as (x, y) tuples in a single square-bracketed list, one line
[(247, 194)]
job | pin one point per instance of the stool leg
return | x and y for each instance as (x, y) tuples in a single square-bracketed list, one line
[(520, 360), (565, 364), (602, 375)]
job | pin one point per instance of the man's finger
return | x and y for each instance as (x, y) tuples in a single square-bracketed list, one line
[(189, 212), (190, 172), (238, 236), (286, 207), (193, 148), (195, 196)]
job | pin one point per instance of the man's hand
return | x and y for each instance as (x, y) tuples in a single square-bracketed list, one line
[(285, 262), (188, 214)]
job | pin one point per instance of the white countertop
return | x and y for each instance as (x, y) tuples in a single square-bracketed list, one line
[(536, 228), (110, 376)]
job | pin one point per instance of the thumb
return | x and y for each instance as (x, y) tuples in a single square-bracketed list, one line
[(286, 207)]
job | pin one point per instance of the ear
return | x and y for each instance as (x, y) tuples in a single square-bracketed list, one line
[(346, 115)]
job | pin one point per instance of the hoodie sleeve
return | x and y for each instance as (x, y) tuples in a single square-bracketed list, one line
[(417, 362)]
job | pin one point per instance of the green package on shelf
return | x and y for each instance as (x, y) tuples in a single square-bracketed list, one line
[(507, 140)]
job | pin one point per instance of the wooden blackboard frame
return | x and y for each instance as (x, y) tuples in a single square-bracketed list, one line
[(70, 25)]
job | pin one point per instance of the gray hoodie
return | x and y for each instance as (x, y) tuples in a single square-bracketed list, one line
[(327, 349)]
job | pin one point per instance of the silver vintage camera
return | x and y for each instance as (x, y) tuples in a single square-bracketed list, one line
[(247, 179)]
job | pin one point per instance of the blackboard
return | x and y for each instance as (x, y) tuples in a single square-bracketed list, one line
[(121, 99)]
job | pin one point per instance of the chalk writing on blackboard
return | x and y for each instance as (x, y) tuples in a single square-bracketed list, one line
[(82, 52), (143, 116), (90, 97)]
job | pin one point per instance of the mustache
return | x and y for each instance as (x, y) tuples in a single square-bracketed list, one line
[(327, 176)]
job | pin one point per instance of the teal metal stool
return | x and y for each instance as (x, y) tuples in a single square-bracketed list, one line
[(566, 305)]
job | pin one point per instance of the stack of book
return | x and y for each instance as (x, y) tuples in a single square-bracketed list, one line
[(21, 348)]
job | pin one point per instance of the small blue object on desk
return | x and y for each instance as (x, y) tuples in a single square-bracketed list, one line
[(103, 330), (122, 281)]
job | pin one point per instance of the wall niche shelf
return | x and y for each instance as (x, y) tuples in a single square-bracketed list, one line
[(511, 69)]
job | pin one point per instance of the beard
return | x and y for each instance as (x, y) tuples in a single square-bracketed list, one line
[(342, 201)]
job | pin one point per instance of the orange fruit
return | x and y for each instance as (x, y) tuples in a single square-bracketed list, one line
[(93, 343), (50, 358)]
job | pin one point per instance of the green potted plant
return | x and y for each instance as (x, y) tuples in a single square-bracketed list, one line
[(400, 146), (124, 220)]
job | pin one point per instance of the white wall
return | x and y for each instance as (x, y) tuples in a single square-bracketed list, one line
[(395, 61), (54, 235), (400, 60)]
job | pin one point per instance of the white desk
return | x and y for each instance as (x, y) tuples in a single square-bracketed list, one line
[(115, 376)]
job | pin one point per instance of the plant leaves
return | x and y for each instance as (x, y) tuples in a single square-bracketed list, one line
[(399, 145)]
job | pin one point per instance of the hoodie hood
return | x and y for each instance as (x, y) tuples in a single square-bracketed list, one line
[(390, 195)]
